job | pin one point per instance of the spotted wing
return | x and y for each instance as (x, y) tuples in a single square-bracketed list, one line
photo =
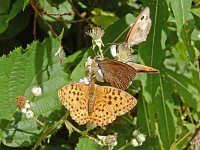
[(75, 98), (140, 28), (110, 102), (117, 73)]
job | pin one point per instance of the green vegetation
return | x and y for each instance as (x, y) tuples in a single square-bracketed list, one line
[(32, 32)]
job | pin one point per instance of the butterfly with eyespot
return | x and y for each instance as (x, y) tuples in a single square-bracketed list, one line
[(121, 73), (137, 34)]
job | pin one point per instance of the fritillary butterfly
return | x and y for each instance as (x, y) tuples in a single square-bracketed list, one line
[(99, 105)]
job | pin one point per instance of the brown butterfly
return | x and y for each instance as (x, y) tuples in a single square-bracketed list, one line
[(137, 34), (117, 73), (121, 73), (139, 29)]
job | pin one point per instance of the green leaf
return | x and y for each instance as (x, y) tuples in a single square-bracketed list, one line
[(86, 143), (36, 65), (4, 7), (196, 15), (159, 105), (59, 8), (25, 4), (185, 25), (15, 26), (180, 47), (3, 23), (185, 89), (16, 8), (103, 18)]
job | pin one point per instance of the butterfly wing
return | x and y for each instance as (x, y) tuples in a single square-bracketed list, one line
[(140, 28), (144, 69), (110, 102), (75, 98), (117, 73)]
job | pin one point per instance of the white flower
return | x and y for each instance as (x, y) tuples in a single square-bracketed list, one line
[(141, 137), (113, 50), (85, 80), (135, 132), (96, 33), (88, 63), (37, 91), (138, 139), (26, 107), (29, 114), (110, 140), (134, 143)]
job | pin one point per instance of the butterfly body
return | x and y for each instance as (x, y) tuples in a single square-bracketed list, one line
[(99, 105)]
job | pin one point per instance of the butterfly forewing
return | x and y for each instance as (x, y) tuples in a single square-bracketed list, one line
[(140, 28), (118, 101), (144, 69), (75, 98), (117, 73)]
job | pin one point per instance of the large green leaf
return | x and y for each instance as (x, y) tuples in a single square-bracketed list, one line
[(185, 26), (20, 71), (158, 105)]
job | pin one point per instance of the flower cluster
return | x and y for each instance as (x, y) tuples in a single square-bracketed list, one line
[(91, 64), (24, 106), (138, 138), (109, 140)]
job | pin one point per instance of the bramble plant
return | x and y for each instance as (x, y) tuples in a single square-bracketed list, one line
[(44, 46)]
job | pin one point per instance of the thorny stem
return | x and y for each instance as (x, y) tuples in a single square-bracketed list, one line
[(49, 130), (68, 21), (34, 26), (83, 133), (40, 15), (57, 14), (75, 10)]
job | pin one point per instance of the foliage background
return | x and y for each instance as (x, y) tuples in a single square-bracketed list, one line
[(168, 103)]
